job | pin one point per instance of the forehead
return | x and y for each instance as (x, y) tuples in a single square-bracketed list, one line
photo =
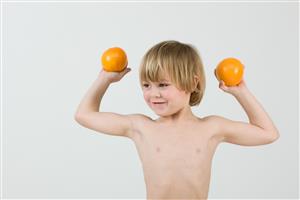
[(154, 75), (162, 79)]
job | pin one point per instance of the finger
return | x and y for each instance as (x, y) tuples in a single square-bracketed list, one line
[(223, 86), (242, 83), (125, 71)]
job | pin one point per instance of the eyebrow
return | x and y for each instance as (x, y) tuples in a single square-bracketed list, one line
[(164, 80)]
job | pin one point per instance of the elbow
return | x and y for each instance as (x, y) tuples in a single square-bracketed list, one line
[(81, 117), (274, 135), (77, 117)]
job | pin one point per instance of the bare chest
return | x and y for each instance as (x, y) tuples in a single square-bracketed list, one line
[(176, 161), (176, 150)]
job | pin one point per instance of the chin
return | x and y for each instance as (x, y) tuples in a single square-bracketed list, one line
[(164, 114)]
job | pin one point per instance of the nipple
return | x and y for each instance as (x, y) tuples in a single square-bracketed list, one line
[(157, 149)]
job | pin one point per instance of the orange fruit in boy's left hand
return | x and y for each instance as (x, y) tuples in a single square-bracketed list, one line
[(230, 70), (114, 60)]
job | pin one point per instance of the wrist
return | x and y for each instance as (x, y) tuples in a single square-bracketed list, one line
[(242, 91)]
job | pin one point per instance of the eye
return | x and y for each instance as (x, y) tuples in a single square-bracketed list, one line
[(146, 85), (163, 85)]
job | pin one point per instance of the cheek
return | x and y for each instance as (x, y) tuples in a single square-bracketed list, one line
[(146, 97), (172, 94), (179, 97)]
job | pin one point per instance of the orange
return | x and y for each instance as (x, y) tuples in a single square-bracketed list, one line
[(230, 70), (114, 60)]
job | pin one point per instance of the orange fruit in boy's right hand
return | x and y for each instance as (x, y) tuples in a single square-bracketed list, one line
[(114, 60), (230, 70)]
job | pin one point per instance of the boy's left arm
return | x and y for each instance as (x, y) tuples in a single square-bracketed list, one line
[(260, 129)]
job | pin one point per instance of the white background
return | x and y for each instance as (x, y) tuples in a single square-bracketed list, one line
[(51, 56)]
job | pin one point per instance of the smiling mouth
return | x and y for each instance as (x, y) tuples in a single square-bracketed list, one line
[(158, 102)]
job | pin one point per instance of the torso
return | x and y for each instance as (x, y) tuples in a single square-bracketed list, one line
[(176, 160)]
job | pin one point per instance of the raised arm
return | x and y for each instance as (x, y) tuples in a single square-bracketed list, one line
[(88, 113), (260, 129)]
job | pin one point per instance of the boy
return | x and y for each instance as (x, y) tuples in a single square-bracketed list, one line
[(176, 149)]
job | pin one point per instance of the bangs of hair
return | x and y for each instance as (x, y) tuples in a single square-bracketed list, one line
[(151, 70)]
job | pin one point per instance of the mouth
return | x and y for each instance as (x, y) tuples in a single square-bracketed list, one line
[(158, 102), (159, 105)]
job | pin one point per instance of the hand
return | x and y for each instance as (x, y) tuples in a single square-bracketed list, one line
[(234, 90), (114, 76)]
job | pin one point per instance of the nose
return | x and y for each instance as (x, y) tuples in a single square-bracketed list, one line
[(155, 92)]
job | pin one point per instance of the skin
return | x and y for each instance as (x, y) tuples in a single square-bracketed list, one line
[(176, 150)]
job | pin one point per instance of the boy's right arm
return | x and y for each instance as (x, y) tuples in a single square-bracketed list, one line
[(88, 112), (110, 123)]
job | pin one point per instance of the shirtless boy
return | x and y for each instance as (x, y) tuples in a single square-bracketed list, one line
[(177, 148)]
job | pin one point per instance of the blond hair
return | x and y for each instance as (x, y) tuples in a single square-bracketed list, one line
[(178, 60)]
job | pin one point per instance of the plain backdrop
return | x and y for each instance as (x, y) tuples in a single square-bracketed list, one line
[(51, 56)]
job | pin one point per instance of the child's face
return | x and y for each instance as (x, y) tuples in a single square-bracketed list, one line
[(164, 98)]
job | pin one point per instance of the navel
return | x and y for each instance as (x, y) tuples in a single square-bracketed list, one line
[(198, 150)]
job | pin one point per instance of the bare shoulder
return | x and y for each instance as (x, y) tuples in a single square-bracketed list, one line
[(211, 120), (138, 122), (211, 117), (214, 122), (139, 118)]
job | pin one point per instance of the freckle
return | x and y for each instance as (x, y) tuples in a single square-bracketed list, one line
[(198, 150), (157, 149)]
